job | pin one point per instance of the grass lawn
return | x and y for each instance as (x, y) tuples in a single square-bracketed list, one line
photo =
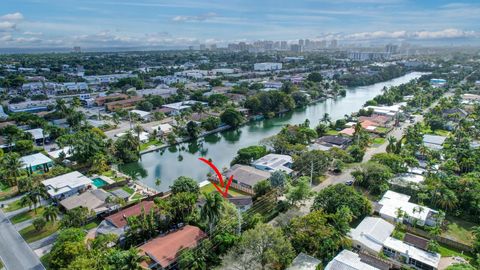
[(13, 206), (459, 230), (440, 132), (92, 224), (27, 215), (7, 192), (137, 197), (128, 190), (146, 145), (210, 188), (378, 141), (111, 174), (31, 235), (448, 252), (332, 132), (381, 129)]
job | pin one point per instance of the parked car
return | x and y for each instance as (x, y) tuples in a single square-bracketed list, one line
[(349, 183)]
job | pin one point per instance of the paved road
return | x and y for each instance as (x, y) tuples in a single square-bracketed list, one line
[(16, 254), (44, 241)]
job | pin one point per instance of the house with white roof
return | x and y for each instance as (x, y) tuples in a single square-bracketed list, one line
[(395, 207), (407, 179), (370, 234), (403, 252), (66, 185), (390, 111), (37, 135), (37, 163), (163, 129), (65, 152), (178, 107), (274, 162), (145, 116), (347, 260), (433, 142), (304, 262)]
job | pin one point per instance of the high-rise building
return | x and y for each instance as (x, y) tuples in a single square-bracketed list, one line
[(333, 44), (283, 45), (296, 48), (392, 49), (243, 46), (202, 47), (77, 49), (213, 47), (301, 43)]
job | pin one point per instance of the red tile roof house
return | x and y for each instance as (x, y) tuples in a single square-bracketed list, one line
[(380, 120), (117, 222), (163, 250)]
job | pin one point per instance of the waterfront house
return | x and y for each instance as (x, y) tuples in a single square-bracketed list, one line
[(245, 177), (274, 162), (67, 185), (94, 200)]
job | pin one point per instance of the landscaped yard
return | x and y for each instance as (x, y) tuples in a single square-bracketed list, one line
[(13, 206), (27, 215), (210, 188), (112, 175), (146, 145), (378, 141), (332, 132), (128, 190), (92, 224), (7, 192), (459, 230), (448, 252), (381, 130), (440, 132), (31, 235)]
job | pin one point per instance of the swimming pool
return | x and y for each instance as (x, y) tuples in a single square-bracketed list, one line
[(99, 182)]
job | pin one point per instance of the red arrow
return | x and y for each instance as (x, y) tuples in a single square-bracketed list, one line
[(220, 178)]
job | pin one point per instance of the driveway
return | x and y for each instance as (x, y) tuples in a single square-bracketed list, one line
[(14, 251)]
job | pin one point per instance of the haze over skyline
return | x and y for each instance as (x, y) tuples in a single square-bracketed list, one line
[(122, 23)]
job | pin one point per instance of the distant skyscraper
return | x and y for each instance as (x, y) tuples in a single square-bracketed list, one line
[(243, 46), (283, 45), (77, 49), (202, 47), (333, 44), (323, 44), (213, 47), (301, 43), (392, 49), (296, 48)]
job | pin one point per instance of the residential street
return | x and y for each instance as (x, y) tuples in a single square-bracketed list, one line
[(14, 251)]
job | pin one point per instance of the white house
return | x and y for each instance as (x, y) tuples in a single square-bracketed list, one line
[(66, 185), (267, 66), (370, 234), (304, 262), (163, 129), (145, 116), (178, 107), (348, 260), (411, 255), (395, 207), (36, 162), (274, 162)]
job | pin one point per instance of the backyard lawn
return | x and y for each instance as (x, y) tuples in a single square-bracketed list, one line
[(7, 192), (112, 175), (92, 224), (448, 252), (378, 141), (210, 188), (128, 190), (332, 132), (459, 230), (27, 215), (31, 235), (146, 145)]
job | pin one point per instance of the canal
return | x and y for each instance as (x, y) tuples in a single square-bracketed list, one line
[(169, 163)]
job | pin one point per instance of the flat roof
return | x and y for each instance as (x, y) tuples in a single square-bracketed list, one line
[(347, 260), (66, 182), (432, 259), (246, 174), (275, 162), (372, 232), (304, 262), (392, 201), (34, 160)]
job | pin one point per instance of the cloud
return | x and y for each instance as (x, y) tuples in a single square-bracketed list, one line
[(198, 18), (17, 16), (450, 33), (7, 26)]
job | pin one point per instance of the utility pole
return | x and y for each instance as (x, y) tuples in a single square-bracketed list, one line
[(239, 229)]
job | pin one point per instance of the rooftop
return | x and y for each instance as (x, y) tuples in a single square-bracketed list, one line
[(304, 262), (432, 259), (34, 160), (246, 174), (274, 162), (91, 199), (347, 260), (372, 232), (119, 219), (392, 201), (163, 249), (66, 182)]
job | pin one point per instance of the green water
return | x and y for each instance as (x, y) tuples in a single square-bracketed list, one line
[(170, 163)]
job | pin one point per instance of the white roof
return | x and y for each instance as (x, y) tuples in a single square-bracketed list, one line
[(274, 162), (392, 201), (304, 262), (372, 232), (66, 182), (408, 178), (37, 133), (182, 104), (141, 113), (417, 254), (34, 160), (163, 128), (56, 154), (347, 260)]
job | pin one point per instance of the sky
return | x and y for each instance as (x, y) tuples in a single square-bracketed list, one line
[(128, 23)]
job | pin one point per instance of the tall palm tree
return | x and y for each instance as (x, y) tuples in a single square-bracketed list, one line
[(326, 118), (392, 144), (36, 194), (61, 106), (211, 209), (138, 130), (26, 201), (12, 165), (51, 213)]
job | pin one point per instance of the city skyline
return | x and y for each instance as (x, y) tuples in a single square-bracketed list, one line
[(144, 23)]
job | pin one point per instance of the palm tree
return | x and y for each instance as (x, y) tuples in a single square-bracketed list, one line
[(35, 195), (392, 144), (158, 181), (326, 118), (211, 209), (26, 201), (61, 106), (12, 165), (138, 129), (51, 213), (133, 260)]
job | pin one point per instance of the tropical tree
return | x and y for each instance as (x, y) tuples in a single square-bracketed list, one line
[(212, 209), (299, 190), (12, 164), (326, 119), (185, 184), (51, 213)]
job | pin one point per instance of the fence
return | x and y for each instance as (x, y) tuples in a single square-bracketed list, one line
[(440, 239)]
